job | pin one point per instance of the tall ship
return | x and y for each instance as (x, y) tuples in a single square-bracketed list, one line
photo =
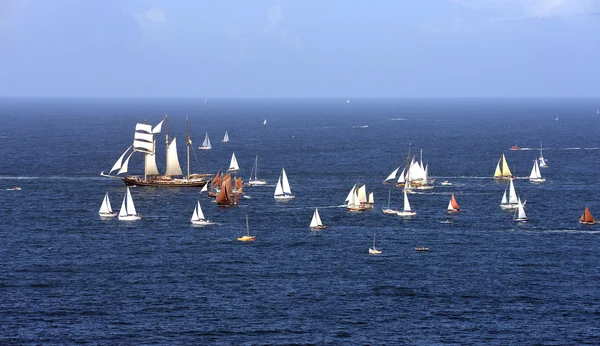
[(144, 143)]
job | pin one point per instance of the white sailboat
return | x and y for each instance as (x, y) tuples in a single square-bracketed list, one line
[(233, 165), (206, 144), (541, 159), (225, 138), (510, 200), (357, 199), (105, 208), (536, 176), (374, 250), (204, 188), (255, 181), (406, 211), (389, 210), (198, 216), (425, 185), (283, 190), (265, 122), (316, 222), (520, 213), (128, 212)]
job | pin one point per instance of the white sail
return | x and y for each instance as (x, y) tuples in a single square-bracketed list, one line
[(512, 194), (143, 146), (316, 219), (265, 122), (535, 171), (143, 127), (226, 137), (119, 162), (158, 127), (402, 177), (195, 215), (504, 198), (279, 188), (350, 195), (123, 210), (130, 206), (406, 203), (450, 207), (362, 194), (206, 144), (105, 208), (173, 166), (284, 182), (520, 211), (204, 188), (148, 137), (392, 175), (371, 198), (125, 165), (233, 165), (150, 164), (199, 212)]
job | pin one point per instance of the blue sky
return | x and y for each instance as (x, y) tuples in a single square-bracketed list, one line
[(257, 48)]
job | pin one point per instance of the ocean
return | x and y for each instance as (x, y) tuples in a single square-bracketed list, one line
[(69, 277)]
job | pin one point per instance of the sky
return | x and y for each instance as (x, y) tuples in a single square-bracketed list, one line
[(308, 48)]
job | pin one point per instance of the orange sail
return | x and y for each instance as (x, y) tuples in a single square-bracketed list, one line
[(453, 205), (238, 183), (217, 180), (224, 197), (586, 217)]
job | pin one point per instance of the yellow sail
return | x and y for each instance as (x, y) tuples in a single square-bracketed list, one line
[(505, 170), (498, 172)]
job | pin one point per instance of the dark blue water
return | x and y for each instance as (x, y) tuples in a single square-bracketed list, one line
[(67, 276)]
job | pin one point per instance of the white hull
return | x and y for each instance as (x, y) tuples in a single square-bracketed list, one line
[(257, 182), (390, 211), (284, 197), (509, 206), (107, 215), (520, 220), (129, 217), (537, 180), (424, 187), (201, 222), (373, 251), (453, 210), (406, 213), (205, 148)]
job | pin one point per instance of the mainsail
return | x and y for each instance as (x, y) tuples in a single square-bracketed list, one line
[(173, 166)]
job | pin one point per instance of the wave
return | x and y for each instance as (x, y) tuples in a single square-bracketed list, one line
[(397, 119), (6, 177)]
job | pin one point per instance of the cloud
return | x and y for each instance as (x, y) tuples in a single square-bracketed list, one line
[(525, 9)]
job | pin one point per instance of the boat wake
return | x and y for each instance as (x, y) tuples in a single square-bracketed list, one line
[(360, 127), (5, 177), (398, 119), (573, 230)]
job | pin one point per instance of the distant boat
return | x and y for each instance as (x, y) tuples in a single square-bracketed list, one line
[(283, 190), (510, 200), (255, 181), (206, 144), (535, 176), (105, 208), (453, 205), (446, 183), (406, 211), (514, 147), (347, 101), (247, 237), (233, 165), (198, 216), (541, 159), (587, 218), (358, 200), (316, 222), (502, 171), (520, 213), (556, 117), (389, 210), (205, 101), (225, 138), (421, 248), (598, 111), (128, 212), (265, 122), (226, 197), (374, 250)]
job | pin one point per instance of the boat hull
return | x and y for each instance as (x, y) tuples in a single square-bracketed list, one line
[(373, 251), (257, 182), (246, 238), (137, 181), (130, 217), (406, 213), (107, 215), (390, 211), (315, 228), (284, 197), (537, 180), (524, 219), (201, 222)]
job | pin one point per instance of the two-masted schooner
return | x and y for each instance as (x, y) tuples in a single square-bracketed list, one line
[(145, 143)]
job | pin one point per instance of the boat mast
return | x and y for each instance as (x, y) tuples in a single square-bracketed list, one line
[(167, 141), (188, 142)]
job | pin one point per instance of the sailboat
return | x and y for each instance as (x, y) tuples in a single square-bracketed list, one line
[(536, 176), (204, 188), (374, 250), (247, 237), (587, 218), (255, 181), (105, 208), (520, 213), (406, 211), (265, 122), (510, 200), (425, 183), (357, 199), (502, 170), (283, 190), (233, 165), (226, 196), (541, 159), (198, 216), (206, 144), (225, 138), (556, 117), (128, 212), (453, 205), (316, 223), (389, 210), (145, 143), (598, 111)]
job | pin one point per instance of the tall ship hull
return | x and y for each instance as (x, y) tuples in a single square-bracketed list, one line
[(167, 182)]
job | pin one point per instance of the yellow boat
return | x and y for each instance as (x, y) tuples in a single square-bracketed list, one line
[(247, 237)]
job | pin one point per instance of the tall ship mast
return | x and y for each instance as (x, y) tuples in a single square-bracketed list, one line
[(144, 143)]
